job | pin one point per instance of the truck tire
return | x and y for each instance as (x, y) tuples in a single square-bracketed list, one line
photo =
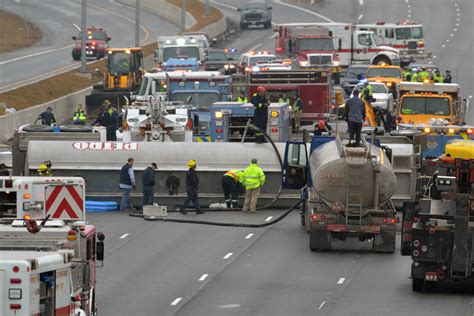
[(243, 26), (382, 60), (38, 128), (384, 242), (319, 240), (302, 215), (417, 284), (76, 57), (76, 128), (267, 25)]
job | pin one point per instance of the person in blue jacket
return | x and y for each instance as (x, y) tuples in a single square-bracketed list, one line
[(148, 181)]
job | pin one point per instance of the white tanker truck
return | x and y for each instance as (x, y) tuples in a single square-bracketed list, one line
[(347, 190)]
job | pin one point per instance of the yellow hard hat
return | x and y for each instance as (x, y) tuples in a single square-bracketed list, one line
[(42, 168), (106, 102), (191, 163)]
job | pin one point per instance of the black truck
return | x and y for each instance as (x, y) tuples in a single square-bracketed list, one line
[(255, 14), (439, 234)]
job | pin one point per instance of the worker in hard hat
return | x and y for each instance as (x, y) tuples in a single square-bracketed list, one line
[(192, 188), (79, 117), (322, 128), (254, 179), (44, 169), (231, 180), (260, 117), (101, 116)]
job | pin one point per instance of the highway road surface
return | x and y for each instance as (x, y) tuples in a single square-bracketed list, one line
[(56, 19)]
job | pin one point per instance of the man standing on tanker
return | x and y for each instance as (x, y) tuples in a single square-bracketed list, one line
[(260, 118)]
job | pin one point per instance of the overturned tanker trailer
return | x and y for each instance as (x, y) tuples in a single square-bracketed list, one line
[(100, 163)]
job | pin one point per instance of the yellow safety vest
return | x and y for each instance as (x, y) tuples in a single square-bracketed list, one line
[(254, 177), (236, 175)]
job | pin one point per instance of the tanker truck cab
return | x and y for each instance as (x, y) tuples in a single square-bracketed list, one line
[(347, 191), (428, 103)]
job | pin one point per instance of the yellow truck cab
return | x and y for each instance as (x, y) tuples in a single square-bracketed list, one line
[(429, 103), (388, 74)]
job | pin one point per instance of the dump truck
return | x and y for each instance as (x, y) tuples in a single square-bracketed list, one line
[(347, 191), (439, 233)]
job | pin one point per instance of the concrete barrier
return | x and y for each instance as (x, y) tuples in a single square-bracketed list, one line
[(63, 109)]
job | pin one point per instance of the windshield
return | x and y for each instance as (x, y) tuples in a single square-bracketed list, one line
[(417, 32), (233, 56), (119, 63), (316, 44), (376, 88), (260, 59), (142, 90), (355, 73), (93, 35), (201, 101), (425, 105), (181, 51), (403, 33), (217, 56), (384, 72), (257, 6)]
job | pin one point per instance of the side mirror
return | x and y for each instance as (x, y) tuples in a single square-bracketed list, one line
[(239, 9), (86, 276), (153, 87), (269, 8), (108, 39), (100, 246), (74, 38)]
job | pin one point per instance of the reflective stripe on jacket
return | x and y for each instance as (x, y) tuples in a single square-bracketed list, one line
[(253, 177), (236, 174)]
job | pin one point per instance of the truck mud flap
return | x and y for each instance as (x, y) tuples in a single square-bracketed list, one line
[(461, 263), (96, 98), (319, 239), (385, 241)]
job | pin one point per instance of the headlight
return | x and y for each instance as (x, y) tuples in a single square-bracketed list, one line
[(336, 63), (275, 114), (226, 66), (232, 66), (218, 114), (304, 63)]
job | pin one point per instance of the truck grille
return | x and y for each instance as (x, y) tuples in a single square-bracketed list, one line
[(412, 44), (320, 59), (253, 16)]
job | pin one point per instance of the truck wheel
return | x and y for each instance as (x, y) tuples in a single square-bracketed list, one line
[(382, 60), (302, 214), (417, 284), (243, 26), (76, 57), (267, 25), (405, 249)]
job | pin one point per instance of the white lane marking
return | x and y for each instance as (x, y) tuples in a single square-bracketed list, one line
[(341, 280), (76, 26), (361, 17), (227, 256), (124, 236), (322, 304), (409, 16), (455, 4), (455, 30), (470, 97), (269, 218), (361, 2), (255, 47), (443, 45), (35, 54), (451, 34), (249, 236), (16, 1), (224, 5), (116, 3), (229, 306), (409, 6), (304, 10), (203, 277), (176, 301), (406, 1)]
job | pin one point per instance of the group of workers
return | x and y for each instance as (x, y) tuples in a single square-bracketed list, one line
[(422, 74), (252, 178)]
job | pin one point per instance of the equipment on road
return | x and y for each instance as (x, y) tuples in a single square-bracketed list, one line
[(348, 191), (48, 254), (439, 235), (229, 120), (123, 76)]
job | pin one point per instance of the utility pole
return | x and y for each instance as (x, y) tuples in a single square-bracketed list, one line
[(137, 23), (183, 15), (84, 34), (206, 8)]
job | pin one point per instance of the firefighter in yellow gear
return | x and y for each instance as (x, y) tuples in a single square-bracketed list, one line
[(254, 179), (79, 117), (296, 111), (242, 97), (231, 180), (44, 169)]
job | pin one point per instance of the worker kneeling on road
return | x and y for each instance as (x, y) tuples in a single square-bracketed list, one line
[(44, 169), (79, 117), (254, 179), (230, 185), (192, 189)]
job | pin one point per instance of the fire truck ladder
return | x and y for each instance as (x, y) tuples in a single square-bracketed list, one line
[(356, 159)]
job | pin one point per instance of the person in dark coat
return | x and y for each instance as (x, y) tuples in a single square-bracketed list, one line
[(47, 117), (4, 170), (110, 121), (148, 181), (355, 116), (260, 117), (192, 189)]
